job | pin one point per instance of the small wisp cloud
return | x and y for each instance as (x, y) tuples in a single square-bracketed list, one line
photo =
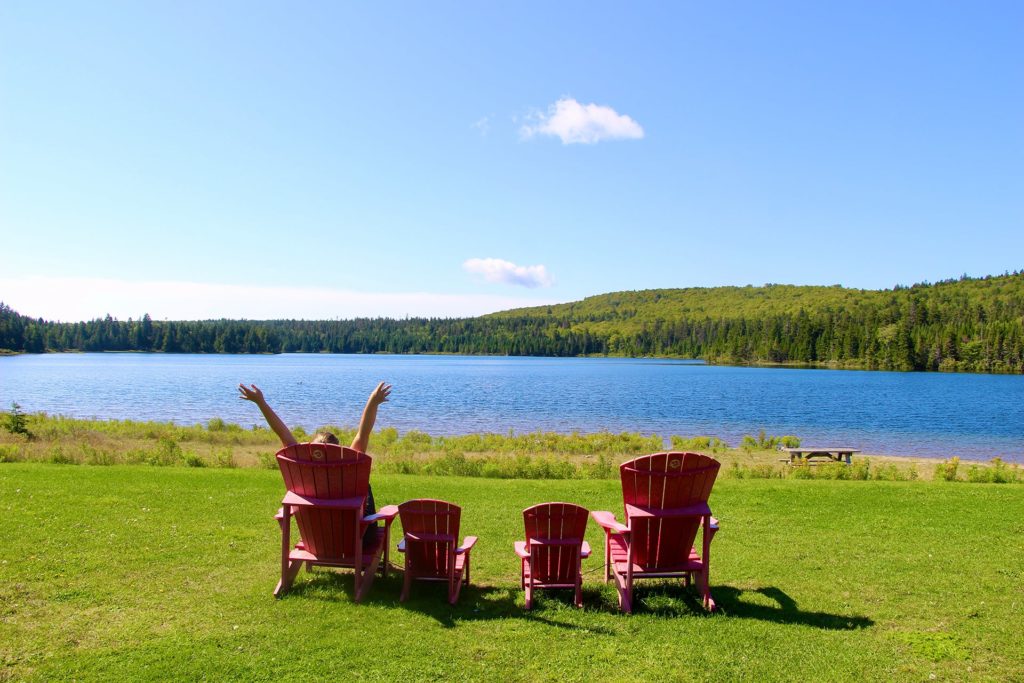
[(483, 125), (505, 272), (585, 124)]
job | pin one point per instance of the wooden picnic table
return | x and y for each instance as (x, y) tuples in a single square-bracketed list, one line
[(833, 453)]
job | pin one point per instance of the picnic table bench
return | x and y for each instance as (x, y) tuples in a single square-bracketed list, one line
[(832, 453)]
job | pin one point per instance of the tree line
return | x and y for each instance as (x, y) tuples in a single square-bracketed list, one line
[(969, 324)]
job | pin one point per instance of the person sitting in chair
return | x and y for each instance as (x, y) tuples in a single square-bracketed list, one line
[(359, 442)]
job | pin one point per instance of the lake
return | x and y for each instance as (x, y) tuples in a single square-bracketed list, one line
[(929, 414)]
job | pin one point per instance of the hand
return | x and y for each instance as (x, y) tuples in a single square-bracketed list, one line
[(250, 393), (380, 394)]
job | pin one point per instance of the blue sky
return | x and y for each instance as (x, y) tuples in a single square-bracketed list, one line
[(328, 160)]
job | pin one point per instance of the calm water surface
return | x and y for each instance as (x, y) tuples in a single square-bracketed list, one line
[(973, 416)]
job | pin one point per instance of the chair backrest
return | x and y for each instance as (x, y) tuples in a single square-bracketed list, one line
[(327, 472), (559, 530), (431, 529), (669, 482)]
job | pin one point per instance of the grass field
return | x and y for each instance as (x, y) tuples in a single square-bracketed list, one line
[(134, 572)]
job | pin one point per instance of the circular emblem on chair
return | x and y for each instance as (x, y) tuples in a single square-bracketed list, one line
[(674, 464), (318, 454)]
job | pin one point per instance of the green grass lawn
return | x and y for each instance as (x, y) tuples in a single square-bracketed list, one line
[(128, 572)]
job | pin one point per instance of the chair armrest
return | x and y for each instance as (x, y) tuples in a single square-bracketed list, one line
[(554, 541), (388, 512), (521, 551), (280, 514), (467, 544), (295, 500), (607, 521), (695, 510)]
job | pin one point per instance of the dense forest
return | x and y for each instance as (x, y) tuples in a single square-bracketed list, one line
[(970, 324)]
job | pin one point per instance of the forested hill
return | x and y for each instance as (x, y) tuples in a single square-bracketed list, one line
[(970, 324)]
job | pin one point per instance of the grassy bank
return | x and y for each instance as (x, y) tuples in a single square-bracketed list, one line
[(144, 573), (537, 455)]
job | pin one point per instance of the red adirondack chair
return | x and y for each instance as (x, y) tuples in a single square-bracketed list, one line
[(666, 501), (554, 548), (327, 487), (430, 533)]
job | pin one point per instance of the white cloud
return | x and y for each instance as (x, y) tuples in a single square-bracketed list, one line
[(483, 125), (506, 272), (74, 299), (577, 123)]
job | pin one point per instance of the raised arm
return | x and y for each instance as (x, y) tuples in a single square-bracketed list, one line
[(377, 396), (253, 393)]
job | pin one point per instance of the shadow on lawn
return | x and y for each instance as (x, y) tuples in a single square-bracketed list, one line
[(476, 603), (784, 611)]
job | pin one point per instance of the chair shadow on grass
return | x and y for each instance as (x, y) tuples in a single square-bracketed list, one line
[(664, 599), (476, 602), (483, 602)]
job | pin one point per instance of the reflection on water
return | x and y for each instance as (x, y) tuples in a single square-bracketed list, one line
[(973, 416)]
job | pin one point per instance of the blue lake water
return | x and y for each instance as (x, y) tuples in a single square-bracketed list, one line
[(973, 416)]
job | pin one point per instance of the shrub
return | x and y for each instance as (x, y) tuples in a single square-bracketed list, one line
[(10, 453), (947, 470), (887, 472), (767, 442), (267, 460), (698, 443), (764, 471), (16, 422), (800, 473), (833, 470), (193, 459), (759, 471), (602, 469), (166, 453), (57, 456), (859, 469), (95, 456), (1003, 473), (225, 458)]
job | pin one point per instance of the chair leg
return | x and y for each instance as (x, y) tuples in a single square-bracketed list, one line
[(705, 591), (579, 580), (369, 572), (406, 580), (287, 577), (357, 563), (455, 579), (288, 568), (625, 589), (607, 556)]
